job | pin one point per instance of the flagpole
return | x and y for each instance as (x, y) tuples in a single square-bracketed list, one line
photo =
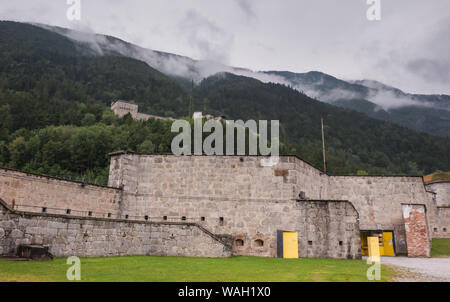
[(323, 149)]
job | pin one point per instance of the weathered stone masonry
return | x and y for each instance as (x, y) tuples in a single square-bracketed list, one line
[(241, 191), (90, 237), (234, 196), (441, 195), (31, 192), (416, 230)]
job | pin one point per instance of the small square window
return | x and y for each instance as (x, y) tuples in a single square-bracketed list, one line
[(126, 216), (340, 243), (221, 220), (44, 210), (183, 218), (444, 229), (109, 215), (68, 211), (203, 219), (90, 213), (309, 242), (164, 217), (435, 229), (146, 217)]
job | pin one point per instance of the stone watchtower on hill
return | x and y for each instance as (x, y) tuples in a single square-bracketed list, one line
[(122, 108)]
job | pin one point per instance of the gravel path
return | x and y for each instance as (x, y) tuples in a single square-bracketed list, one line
[(419, 269)]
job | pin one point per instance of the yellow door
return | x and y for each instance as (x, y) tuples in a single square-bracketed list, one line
[(388, 244), (290, 245)]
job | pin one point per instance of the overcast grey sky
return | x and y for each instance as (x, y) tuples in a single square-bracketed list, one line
[(408, 48)]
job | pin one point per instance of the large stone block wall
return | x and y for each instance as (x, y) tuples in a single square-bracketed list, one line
[(416, 227), (30, 192), (379, 199), (91, 237), (442, 191), (442, 228), (234, 195), (237, 196), (159, 185), (232, 177), (328, 229)]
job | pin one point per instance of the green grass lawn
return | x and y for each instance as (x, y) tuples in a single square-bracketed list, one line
[(181, 269), (440, 247)]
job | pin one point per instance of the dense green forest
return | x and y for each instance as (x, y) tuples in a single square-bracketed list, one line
[(55, 117), (354, 141)]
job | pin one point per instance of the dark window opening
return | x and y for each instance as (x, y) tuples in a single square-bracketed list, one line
[(444, 229), (183, 218), (202, 219), (340, 243), (221, 220), (68, 211), (109, 215), (241, 159), (90, 213), (44, 210), (164, 217), (146, 217), (259, 242), (126, 216), (309, 242), (239, 242), (435, 229)]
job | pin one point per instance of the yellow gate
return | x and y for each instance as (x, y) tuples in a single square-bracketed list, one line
[(385, 242), (388, 244), (290, 245)]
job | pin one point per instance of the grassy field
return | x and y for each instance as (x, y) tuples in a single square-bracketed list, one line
[(438, 176), (440, 247), (180, 269)]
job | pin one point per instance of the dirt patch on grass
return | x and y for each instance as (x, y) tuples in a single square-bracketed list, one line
[(402, 274)]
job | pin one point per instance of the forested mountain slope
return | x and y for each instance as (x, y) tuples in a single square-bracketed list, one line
[(54, 113)]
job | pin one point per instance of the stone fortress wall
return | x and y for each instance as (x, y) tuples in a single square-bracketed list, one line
[(247, 196), (232, 197), (441, 195), (68, 235), (379, 202), (236, 196), (122, 108), (39, 193), (442, 191)]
